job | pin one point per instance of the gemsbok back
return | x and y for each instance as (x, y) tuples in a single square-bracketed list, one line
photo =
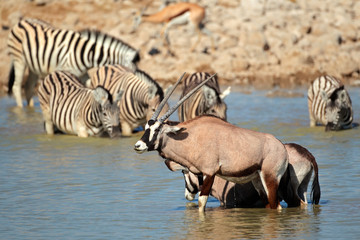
[(329, 104), (293, 187), (71, 108), (208, 100), (210, 146)]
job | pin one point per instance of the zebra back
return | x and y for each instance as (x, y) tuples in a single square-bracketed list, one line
[(205, 101), (74, 109), (138, 99), (112, 50), (43, 49), (329, 103)]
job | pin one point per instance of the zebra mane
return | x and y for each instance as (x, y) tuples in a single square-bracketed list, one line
[(89, 33), (143, 76), (213, 84)]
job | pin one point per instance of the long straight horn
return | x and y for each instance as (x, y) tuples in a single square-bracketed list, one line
[(166, 98), (173, 109)]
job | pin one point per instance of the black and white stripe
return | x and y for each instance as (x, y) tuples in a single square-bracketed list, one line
[(329, 104), (141, 96), (41, 48), (74, 109), (208, 100)]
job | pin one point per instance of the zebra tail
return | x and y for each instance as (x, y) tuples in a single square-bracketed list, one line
[(315, 190), (11, 79)]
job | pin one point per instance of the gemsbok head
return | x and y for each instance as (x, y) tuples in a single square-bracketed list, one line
[(213, 147)]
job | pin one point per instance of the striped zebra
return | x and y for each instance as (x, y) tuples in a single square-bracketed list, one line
[(329, 104), (42, 48), (70, 107), (209, 100), (141, 96)]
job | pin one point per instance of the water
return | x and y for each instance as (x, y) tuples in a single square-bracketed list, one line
[(65, 187)]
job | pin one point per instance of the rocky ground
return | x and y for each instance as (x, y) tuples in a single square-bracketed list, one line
[(260, 43)]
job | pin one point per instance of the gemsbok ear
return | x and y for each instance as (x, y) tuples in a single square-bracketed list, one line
[(101, 95), (173, 129)]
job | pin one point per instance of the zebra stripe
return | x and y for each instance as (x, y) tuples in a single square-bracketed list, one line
[(74, 109), (207, 101), (43, 49), (140, 98), (329, 104)]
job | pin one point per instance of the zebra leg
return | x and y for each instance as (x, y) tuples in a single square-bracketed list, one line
[(29, 88), (126, 129), (49, 126), (311, 115), (82, 132), (19, 68)]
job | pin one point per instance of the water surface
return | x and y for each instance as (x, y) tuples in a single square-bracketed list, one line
[(65, 187)]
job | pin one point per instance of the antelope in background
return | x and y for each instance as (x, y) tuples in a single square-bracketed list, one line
[(177, 14), (210, 146), (293, 185)]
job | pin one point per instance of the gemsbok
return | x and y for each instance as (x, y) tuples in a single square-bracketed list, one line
[(210, 146), (177, 14), (293, 187)]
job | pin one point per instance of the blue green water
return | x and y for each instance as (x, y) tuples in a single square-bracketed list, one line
[(65, 187)]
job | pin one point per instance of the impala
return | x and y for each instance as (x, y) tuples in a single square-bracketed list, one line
[(177, 14)]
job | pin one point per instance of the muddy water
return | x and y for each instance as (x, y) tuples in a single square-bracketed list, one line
[(64, 187)]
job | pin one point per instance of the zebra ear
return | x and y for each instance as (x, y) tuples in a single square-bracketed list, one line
[(323, 95), (152, 91), (210, 96), (101, 95), (117, 97)]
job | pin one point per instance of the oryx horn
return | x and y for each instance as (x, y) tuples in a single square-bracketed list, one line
[(173, 109), (166, 98)]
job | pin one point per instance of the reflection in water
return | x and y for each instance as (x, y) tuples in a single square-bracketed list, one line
[(65, 187), (237, 223)]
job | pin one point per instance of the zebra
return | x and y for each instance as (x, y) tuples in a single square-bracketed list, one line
[(141, 96), (329, 104), (208, 101), (38, 46), (71, 108)]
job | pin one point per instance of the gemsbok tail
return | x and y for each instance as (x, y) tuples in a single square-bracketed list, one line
[(315, 189), (11, 79)]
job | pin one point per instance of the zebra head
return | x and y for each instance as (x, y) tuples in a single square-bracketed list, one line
[(338, 110), (109, 110), (214, 104)]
